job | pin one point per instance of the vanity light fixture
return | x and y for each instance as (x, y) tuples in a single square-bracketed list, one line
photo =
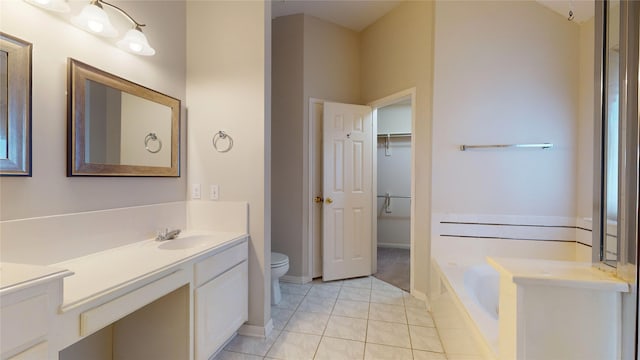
[(134, 41), (95, 20), (52, 5)]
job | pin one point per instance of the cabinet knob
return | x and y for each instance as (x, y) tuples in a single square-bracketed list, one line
[(318, 199), (328, 200)]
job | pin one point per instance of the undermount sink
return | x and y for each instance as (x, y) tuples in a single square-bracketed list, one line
[(185, 242)]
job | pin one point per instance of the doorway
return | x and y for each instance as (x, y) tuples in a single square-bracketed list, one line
[(401, 205), (393, 209)]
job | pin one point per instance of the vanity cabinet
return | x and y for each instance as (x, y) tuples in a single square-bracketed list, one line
[(36, 352), (29, 297), (221, 298)]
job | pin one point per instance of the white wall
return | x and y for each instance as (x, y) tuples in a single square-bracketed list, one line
[(228, 88), (394, 177), (54, 39), (394, 119), (397, 54), (505, 73)]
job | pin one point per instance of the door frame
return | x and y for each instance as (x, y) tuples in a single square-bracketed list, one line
[(308, 183), (308, 203), (375, 105)]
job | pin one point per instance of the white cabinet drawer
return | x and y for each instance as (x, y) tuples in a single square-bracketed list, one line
[(217, 264), (23, 322), (105, 314), (38, 352)]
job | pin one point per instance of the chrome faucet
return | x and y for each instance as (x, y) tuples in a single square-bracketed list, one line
[(166, 234)]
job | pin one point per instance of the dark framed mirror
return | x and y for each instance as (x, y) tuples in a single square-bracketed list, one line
[(119, 128), (15, 106)]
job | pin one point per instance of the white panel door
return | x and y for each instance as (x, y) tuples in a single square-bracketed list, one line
[(347, 186)]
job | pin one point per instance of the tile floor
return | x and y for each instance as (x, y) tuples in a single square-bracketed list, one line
[(363, 318)]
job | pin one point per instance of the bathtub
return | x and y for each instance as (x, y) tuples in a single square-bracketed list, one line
[(464, 305), (482, 283)]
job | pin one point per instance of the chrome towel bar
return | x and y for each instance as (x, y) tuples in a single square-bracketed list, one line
[(503, 146)]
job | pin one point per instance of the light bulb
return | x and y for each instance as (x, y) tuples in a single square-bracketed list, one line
[(135, 47), (93, 19), (95, 26), (51, 5), (134, 41)]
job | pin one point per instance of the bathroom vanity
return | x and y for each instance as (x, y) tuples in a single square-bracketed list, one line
[(174, 299)]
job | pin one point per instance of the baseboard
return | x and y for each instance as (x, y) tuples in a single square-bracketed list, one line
[(296, 279), (256, 331), (421, 296), (394, 246)]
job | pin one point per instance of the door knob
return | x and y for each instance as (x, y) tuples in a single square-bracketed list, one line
[(328, 200), (318, 199)]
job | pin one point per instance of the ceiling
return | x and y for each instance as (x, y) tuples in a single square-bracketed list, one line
[(358, 14), (353, 14), (583, 10)]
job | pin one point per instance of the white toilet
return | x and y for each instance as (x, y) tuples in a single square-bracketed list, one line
[(279, 267)]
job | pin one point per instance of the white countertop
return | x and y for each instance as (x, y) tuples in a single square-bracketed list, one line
[(113, 269), (557, 273), (17, 276)]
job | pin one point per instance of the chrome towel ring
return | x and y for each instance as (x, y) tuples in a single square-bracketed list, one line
[(221, 135), (152, 137)]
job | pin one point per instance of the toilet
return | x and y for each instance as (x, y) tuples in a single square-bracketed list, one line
[(279, 267)]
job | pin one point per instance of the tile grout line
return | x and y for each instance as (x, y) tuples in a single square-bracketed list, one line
[(305, 296), (284, 327)]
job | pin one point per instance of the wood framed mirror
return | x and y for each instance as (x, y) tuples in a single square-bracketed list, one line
[(15, 106), (119, 128)]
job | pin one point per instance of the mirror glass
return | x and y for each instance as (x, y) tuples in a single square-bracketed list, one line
[(119, 125), (611, 132), (120, 128), (15, 106), (4, 105)]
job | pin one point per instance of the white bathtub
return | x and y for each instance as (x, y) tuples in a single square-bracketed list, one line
[(482, 283), (465, 308)]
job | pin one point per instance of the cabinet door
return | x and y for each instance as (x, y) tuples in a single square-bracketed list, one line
[(221, 307), (37, 352)]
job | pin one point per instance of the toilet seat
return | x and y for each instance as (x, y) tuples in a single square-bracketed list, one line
[(278, 259)]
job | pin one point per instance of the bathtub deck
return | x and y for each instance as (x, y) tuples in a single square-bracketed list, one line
[(465, 328)]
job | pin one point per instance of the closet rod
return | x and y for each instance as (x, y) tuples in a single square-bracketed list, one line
[(394, 135), (394, 196)]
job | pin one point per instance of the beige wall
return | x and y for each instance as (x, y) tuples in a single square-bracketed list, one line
[(397, 54), (287, 236), (54, 39), (584, 178), (228, 88), (505, 73), (322, 60), (331, 62)]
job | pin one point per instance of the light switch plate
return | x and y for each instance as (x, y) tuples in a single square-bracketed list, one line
[(195, 191), (214, 192)]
